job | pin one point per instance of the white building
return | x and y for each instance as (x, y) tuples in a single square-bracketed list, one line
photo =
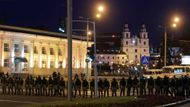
[(135, 46), (131, 50), (42, 52)]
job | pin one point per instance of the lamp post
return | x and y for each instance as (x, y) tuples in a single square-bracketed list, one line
[(174, 25), (69, 38)]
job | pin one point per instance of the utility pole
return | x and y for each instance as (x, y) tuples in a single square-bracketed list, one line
[(165, 46), (69, 47)]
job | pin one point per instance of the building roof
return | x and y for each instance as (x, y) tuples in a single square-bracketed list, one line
[(37, 31)]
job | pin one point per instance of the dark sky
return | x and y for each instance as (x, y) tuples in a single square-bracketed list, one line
[(118, 12)]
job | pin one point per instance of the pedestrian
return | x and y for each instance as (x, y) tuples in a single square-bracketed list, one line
[(44, 86), (62, 87), (77, 87), (122, 86), (92, 86), (129, 85), (135, 85), (100, 87), (114, 87), (50, 86), (85, 88), (150, 85), (106, 86)]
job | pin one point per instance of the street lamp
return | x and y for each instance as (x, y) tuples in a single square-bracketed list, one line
[(174, 25)]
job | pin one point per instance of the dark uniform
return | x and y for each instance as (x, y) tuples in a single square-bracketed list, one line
[(27, 83), (150, 85), (10, 85), (166, 85), (158, 85), (44, 86), (129, 85), (62, 86), (135, 85), (100, 87), (50, 86), (85, 88), (114, 87), (142, 86), (77, 87), (173, 86), (106, 86), (92, 86), (185, 86), (122, 86)]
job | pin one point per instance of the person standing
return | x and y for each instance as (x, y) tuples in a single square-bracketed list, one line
[(114, 87), (92, 85), (122, 86), (135, 85), (129, 85), (106, 87), (85, 88), (150, 85)]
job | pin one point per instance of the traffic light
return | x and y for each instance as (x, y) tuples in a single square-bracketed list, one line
[(90, 53)]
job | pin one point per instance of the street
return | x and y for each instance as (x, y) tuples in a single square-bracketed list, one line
[(22, 101), (184, 105)]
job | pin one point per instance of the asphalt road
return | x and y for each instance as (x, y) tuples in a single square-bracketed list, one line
[(184, 105), (23, 101)]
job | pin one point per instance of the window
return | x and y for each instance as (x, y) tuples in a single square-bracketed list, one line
[(117, 57), (16, 48), (59, 52), (60, 64), (126, 50), (136, 56), (43, 50), (144, 50), (108, 57), (102, 57), (144, 43), (113, 57), (51, 51), (135, 50), (25, 49), (126, 42), (6, 47), (51, 64), (6, 63), (35, 50), (43, 64), (35, 64), (122, 57)]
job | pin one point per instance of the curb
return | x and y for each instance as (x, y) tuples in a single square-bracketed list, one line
[(176, 103)]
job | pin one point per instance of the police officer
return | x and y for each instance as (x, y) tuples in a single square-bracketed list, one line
[(92, 86), (44, 86), (185, 85), (142, 86), (31, 85), (100, 87), (158, 85), (77, 86), (135, 85), (106, 86), (150, 85), (55, 85), (173, 86), (4, 84), (10, 85), (62, 86), (129, 85), (114, 87), (122, 86), (166, 85), (27, 83), (85, 88), (50, 86)]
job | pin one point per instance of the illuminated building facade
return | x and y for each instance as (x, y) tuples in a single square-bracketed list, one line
[(38, 52)]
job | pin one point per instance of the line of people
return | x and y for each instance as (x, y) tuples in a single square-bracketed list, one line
[(55, 85)]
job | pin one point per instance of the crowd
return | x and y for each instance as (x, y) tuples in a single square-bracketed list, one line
[(55, 85)]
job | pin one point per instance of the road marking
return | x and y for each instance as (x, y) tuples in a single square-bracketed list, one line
[(24, 102)]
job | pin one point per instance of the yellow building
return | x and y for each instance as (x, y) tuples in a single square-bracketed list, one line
[(38, 52)]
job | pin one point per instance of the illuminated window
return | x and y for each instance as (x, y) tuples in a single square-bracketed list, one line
[(60, 64), (6, 63), (35, 50), (52, 64), (35, 64), (43, 64), (59, 52), (6, 47), (16, 47), (25, 49), (43, 50), (51, 51)]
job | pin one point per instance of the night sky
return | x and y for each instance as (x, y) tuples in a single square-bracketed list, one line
[(35, 13)]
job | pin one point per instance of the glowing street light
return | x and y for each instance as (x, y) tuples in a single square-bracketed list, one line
[(89, 33), (176, 19), (101, 8), (98, 15)]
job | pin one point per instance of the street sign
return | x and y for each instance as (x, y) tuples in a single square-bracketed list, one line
[(145, 60)]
